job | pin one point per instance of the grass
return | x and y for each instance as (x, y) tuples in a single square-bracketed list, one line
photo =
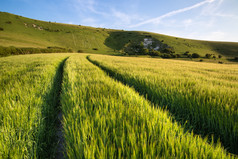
[(106, 119), (29, 105), (103, 118), (202, 95), (22, 33), (25, 32)]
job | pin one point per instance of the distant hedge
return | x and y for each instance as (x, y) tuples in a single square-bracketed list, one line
[(7, 51)]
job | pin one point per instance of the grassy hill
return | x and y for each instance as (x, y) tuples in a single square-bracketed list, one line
[(19, 31), (24, 32)]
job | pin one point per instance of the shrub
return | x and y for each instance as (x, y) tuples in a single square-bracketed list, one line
[(154, 53), (220, 62), (186, 53), (1, 29), (208, 56), (195, 55), (8, 22), (214, 57), (201, 60), (6, 51), (173, 56), (95, 48), (166, 56), (146, 51), (168, 50), (178, 55), (236, 58), (219, 56)]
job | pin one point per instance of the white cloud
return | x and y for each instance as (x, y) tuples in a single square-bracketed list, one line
[(219, 35), (207, 23), (226, 15), (114, 17), (213, 9), (89, 5), (215, 35), (187, 22), (158, 19), (89, 20), (124, 18)]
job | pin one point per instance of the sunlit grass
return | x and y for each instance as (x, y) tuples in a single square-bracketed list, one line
[(202, 95), (106, 119), (28, 105)]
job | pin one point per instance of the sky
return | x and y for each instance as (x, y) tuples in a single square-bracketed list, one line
[(215, 20)]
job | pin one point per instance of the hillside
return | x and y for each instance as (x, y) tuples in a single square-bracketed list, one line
[(19, 31)]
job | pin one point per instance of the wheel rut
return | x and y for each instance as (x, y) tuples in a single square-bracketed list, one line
[(60, 150)]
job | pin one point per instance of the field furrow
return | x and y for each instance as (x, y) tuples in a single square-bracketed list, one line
[(29, 105), (103, 118), (201, 101)]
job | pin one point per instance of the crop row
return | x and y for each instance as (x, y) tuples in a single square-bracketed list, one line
[(102, 118), (105, 119), (204, 96), (29, 88)]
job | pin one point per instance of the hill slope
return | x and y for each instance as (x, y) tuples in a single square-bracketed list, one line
[(19, 31)]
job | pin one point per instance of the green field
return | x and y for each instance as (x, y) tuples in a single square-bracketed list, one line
[(87, 105), (23, 32), (202, 95), (29, 104), (126, 108)]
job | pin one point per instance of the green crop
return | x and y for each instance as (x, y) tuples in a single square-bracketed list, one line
[(28, 100), (103, 118), (202, 95)]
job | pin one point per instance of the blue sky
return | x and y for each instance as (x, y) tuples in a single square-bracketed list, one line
[(197, 19)]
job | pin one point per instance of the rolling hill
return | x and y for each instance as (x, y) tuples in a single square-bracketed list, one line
[(23, 32)]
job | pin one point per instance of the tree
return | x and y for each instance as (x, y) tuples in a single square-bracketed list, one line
[(195, 55), (134, 48)]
